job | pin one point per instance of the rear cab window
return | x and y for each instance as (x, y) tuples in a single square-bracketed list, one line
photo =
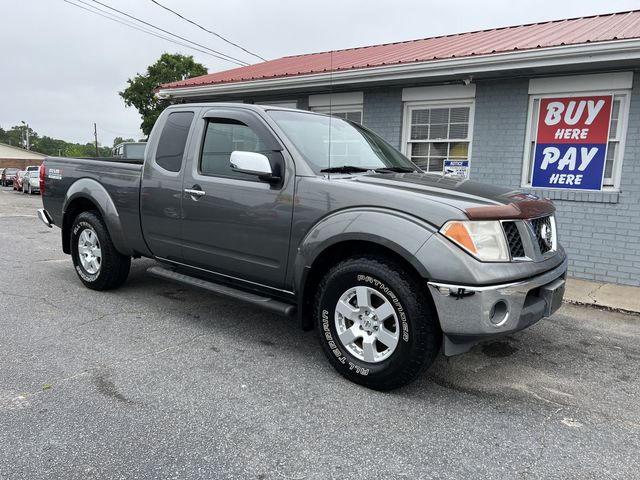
[(173, 139)]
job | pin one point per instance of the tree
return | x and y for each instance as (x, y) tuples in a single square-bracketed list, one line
[(119, 140), (140, 92)]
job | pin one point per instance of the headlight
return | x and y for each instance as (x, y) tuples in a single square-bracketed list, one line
[(484, 240)]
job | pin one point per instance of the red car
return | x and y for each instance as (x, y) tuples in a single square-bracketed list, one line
[(6, 178), (17, 180)]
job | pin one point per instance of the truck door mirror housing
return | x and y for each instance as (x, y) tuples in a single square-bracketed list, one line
[(253, 163)]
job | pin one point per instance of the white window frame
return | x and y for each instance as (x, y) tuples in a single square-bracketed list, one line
[(343, 102), (417, 105), (621, 133), (331, 110), (281, 103)]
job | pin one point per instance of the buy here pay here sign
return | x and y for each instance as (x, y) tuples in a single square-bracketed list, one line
[(571, 142)]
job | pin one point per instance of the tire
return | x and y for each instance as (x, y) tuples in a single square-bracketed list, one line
[(410, 317), (113, 267)]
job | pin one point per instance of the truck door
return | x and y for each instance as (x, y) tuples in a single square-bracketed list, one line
[(161, 187), (235, 224)]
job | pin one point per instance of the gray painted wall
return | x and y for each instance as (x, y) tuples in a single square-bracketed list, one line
[(601, 231)]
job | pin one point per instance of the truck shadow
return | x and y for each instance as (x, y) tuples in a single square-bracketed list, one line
[(554, 364)]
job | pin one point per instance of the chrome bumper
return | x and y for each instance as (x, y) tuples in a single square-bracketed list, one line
[(469, 314), (44, 217)]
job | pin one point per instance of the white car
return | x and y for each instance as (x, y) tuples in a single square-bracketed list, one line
[(31, 182)]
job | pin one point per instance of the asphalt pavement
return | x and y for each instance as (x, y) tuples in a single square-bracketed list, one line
[(159, 381)]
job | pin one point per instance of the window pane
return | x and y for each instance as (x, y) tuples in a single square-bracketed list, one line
[(221, 138), (615, 116), (460, 115), (420, 149), (459, 130), (437, 132), (535, 107), (439, 115), (439, 149), (420, 116), (173, 140), (612, 147), (419, 132), (421, 162), (458, 149), (355, 116), (436, 164)]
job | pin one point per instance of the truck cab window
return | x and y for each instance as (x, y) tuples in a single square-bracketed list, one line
[(222, 137), (173, 140)]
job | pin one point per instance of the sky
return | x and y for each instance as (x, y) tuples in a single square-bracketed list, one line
[(62, 67)]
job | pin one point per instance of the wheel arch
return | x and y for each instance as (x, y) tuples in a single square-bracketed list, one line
[(374, 232), (88, 195)]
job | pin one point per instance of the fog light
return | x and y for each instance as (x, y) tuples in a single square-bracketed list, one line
[(499, 312)]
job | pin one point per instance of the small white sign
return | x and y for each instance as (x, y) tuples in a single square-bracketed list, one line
[(456, 168)]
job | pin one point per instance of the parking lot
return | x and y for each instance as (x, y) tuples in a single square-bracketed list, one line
[(158, 381)]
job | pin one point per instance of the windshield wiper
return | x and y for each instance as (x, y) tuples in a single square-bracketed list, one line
[(395, 170), (345, 169)]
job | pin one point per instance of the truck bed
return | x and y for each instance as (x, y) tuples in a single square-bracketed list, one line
[(65, 177)]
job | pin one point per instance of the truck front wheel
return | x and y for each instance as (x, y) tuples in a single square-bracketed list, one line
[(96, 260), (376, 324)]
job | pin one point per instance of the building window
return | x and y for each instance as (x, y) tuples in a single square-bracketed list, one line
[(437, 131), (352, 113), (346, 105), (615, 141)]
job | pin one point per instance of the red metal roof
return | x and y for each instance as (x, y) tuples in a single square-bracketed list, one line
[(597, 28)]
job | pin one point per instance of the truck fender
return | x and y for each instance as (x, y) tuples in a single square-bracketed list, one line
[(93, 191), (397, 231)]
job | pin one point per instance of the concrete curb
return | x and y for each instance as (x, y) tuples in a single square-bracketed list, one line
[(621, 298)]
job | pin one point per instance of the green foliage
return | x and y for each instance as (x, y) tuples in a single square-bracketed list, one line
[(50, 146), (119, 140), (140, 92)]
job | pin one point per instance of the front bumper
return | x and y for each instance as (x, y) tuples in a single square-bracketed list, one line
[(470, 314)]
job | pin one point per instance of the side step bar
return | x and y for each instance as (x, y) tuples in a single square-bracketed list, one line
[(258, 300)]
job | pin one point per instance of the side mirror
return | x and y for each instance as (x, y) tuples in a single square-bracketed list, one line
[(253, 163)]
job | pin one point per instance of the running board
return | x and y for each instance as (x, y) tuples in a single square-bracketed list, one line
[(258, 300)]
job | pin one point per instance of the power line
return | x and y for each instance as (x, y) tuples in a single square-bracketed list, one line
[(124, 22), (236, 60), (209, 31)]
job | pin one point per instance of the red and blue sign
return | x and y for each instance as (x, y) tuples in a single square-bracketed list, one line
[(571, 142)]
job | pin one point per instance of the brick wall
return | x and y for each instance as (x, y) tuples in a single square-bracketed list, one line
[(600, 231), (382, 112), (20, 163)]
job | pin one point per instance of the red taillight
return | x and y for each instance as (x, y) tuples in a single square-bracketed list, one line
[(43, 174)]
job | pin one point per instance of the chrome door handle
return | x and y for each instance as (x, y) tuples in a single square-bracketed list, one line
[(194, 193)]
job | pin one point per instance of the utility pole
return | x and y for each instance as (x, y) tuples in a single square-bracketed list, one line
[(95, 136), (26, 135)]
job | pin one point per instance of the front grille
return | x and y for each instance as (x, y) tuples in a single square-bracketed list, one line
[(543, 233), (513, 239)]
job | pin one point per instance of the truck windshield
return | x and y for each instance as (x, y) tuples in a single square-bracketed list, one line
[(334, 145)]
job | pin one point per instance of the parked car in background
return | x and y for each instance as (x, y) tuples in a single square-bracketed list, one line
[(130, 150), (31, 182), (17, 179), (6, 178)]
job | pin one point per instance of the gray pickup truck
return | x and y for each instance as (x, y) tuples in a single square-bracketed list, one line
[(319, 219)]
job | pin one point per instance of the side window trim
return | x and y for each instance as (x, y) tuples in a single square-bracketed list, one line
[(262, 131)]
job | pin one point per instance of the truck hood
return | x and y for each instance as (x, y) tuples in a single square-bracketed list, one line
[(477, 200)]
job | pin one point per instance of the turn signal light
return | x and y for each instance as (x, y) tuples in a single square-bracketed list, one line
[(485, 240)]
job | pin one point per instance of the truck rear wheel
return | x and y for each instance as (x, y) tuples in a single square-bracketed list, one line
[(97, 262), (376, 324)]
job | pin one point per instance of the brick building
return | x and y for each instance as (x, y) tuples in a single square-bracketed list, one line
[(11, 156), (509, 106)]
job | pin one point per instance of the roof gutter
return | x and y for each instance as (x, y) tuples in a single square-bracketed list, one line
[(590, 53)]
